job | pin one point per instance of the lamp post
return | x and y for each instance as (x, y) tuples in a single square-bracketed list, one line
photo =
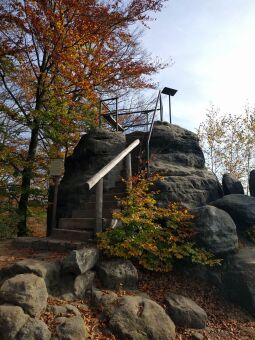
[(170, 92)]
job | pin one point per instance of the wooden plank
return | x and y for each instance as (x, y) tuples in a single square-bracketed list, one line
[(99, 206), (101, 173)]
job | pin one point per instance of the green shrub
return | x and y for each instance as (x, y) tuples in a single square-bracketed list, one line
[(153, 236)]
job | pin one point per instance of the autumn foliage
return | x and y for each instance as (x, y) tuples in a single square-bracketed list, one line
[(153, 236)]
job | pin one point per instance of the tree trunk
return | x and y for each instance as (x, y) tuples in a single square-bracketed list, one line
[(27, 175)]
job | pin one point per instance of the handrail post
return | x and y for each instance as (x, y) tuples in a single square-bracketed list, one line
[(129, 171), (99, 206)]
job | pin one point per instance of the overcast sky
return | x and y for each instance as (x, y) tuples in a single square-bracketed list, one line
[(212, 44)]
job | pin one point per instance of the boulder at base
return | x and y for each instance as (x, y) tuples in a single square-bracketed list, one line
[(83, 283), (12, 319), (72, 328), (80, 261), (176, 155), (231, 185), (27, 291), (117, 274), (136, 317), (216, 231), (34, 329), (184, 312), (239, 278), (240, 207)]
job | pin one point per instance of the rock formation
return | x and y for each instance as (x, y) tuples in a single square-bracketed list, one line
[(231, 185), (176, 155)]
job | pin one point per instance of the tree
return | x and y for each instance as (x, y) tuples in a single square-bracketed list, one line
[(228, 142), (57, 56)]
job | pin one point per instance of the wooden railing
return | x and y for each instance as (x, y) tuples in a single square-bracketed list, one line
[(97, 180)]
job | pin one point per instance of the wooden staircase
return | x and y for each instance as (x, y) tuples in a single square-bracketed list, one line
[(81, 225)]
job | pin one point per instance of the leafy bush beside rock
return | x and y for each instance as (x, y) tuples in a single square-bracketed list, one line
[(154, 236)]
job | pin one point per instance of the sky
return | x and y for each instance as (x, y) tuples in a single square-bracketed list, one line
[(212, 46)]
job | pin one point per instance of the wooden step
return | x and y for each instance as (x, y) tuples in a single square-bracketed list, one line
[(91, 213), (108, 196), (85, 224), (72, 235), (92, 205)]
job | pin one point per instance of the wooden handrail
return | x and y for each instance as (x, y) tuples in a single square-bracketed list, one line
[(104, 171)]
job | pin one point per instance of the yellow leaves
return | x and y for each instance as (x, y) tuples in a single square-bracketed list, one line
[(142, 238)]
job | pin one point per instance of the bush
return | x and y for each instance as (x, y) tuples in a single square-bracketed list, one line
[(155, 237)]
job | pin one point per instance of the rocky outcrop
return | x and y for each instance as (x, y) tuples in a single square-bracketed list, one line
[(240, 207), (231, 185), (117, 274), (27, 291), (215, 230), (176, 155), (184, 312)]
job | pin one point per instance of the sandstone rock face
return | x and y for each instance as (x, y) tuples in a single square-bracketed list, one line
[(184, 312), (117, 274), (92, 153), (137, 318), (83, 283), (231, 185), (72, 328), (240, 207), (12, 319), (34, 329), (216, 231), (239, 278), (80, 261), (27, 291), (252, 183), (176, 154)]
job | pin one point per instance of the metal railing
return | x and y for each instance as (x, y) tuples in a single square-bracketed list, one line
[(115, 122), (97, 180)]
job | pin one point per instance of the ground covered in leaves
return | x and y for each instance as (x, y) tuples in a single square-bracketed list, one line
[(226, 320)]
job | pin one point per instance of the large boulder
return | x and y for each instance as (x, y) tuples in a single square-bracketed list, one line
[(27, 291), (72, 328), (184, 312), (12, 319), (240, 207), (238, 278), (215, 230), (80, 261), (176, 155), (231, 185), (136, 318), (252, 183), (49, 271), (118, 274), (34, 329)]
